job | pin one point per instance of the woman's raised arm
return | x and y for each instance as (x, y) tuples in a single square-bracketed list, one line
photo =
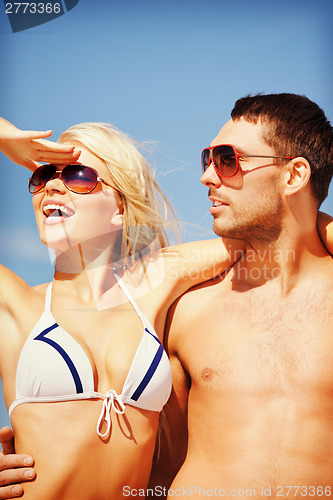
[(28, 147), (192, 263)]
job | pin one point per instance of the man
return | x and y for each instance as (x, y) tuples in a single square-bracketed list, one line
[(252, 350), (13, 468)]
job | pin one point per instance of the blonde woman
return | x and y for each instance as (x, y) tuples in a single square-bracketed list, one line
[(81, 358)]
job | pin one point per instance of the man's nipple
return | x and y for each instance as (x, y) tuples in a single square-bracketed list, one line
[(207, 374)]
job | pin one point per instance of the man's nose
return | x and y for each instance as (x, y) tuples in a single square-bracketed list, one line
[(210, 176)]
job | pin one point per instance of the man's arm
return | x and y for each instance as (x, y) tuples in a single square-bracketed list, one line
[(172, 439), (325, 229), (14, 469), (171, 444)]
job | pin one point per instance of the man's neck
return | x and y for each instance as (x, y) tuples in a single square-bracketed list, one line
[(293, 255)]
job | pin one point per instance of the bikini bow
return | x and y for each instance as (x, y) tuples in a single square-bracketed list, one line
[(109, 400)]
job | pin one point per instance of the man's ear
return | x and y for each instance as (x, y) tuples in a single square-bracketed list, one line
[(297, 175)]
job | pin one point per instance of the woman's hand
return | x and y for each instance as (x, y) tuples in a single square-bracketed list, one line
[(28, 147), (14, 469)]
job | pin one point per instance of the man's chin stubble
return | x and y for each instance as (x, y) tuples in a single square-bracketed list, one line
[(249, 232)]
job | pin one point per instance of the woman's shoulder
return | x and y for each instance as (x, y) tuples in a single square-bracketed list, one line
[(14, 289), (10, 280)]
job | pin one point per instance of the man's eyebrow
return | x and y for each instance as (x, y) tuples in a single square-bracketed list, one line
[(239, 149)]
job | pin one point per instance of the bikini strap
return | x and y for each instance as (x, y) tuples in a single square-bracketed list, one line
[(48, 298), (128, 295), (144, 319)]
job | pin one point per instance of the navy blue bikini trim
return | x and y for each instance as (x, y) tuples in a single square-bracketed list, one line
[(42, 337), (151, 370)]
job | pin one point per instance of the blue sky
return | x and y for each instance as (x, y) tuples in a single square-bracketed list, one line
[(167, 73)]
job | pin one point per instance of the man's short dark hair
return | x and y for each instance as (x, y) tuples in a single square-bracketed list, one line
[(294, 126)]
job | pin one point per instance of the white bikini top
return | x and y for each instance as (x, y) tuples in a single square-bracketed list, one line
[(54, 367)]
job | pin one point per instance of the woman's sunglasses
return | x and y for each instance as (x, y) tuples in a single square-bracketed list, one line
[(226, 159), (77, 178)]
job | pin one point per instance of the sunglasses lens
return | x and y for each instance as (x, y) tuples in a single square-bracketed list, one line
[(40, 177), (225, 160), (79, 179), (204, 160)]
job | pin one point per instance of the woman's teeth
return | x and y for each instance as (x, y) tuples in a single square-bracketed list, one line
[(54, 210)]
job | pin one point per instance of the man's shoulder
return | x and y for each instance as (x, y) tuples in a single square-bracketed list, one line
[(194, 304), (323, 271)]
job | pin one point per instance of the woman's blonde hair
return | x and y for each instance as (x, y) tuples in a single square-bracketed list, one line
[(147, 212)]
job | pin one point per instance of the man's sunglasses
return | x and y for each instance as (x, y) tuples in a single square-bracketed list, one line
[(77, 178), (226, 159)]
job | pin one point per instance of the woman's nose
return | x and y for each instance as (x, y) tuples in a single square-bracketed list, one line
[(55, 184)]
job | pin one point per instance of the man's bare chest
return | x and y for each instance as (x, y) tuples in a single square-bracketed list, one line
[(260, 341)]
